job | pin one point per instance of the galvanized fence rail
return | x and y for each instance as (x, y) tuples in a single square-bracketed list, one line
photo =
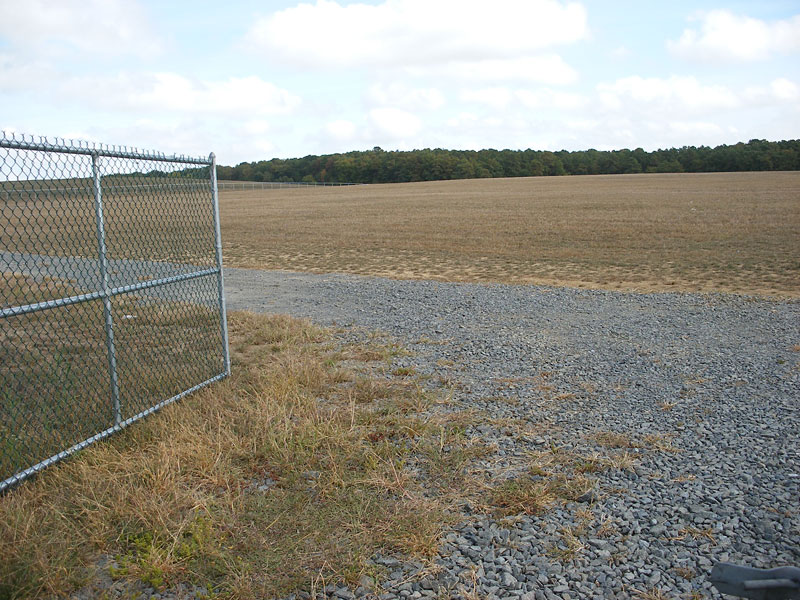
[(111, 293)]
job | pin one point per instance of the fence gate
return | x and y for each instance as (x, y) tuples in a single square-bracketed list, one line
[(111, 293)]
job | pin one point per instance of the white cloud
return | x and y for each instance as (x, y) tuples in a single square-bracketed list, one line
[(463, 118), (102, 27), (729, 37), (779, 91), (257, 126), (395, 124), (675, 97), (17, 75), (253, 138), (415, 32), (674, 93), (341, 130), (582, 124), (231, 142), (549, 69), (695, 128), (400, 95), (501, 98), (497, 97), (184, 136), (783, 89), (547, 98), (247, 95), (250, 96), (628, 112)]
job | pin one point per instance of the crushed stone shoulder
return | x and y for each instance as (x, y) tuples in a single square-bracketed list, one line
[(708, 385)]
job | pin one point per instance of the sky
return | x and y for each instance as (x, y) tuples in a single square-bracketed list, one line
[(255, 80)]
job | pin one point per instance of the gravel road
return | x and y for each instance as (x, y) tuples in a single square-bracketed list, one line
[(705, 387)]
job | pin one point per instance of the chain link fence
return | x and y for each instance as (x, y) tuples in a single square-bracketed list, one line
[(242, 186), (111, 293)]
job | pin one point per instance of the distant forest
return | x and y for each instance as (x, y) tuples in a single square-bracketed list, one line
[(379, 166)]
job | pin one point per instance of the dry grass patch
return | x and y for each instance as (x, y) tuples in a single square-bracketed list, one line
[(651, 594), (377, 350), (595, 463), (606, 528), (610, 439), (448, 456), (543, 462), (551, 478), (568, 547), (660, 442), (365, 389), (404, 371), (522, 496), (555, 476), (592, 463), (253, 488), (687, 573), (696, 534)]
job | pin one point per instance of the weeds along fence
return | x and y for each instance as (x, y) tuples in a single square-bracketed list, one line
[(111, 293)]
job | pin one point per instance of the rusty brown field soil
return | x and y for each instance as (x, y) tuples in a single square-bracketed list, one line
[(725, 232)]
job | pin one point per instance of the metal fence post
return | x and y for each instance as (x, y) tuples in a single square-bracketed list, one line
[(221, 281), (105, 288)]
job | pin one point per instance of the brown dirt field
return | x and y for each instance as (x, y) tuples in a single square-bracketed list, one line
[(725, 232)]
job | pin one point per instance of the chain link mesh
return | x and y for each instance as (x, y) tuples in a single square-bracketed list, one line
[(110, 292)]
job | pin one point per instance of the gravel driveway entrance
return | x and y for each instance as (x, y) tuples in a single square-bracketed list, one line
[(703, 390)]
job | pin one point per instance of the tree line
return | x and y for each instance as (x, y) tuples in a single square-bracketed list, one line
[(379, 166)]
